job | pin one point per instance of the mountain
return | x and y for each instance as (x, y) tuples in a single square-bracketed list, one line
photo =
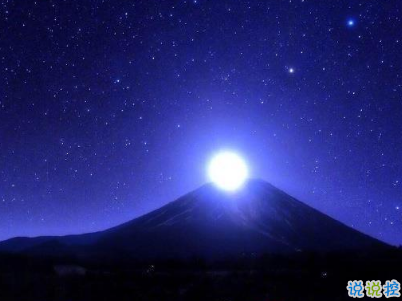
[(211, 223)]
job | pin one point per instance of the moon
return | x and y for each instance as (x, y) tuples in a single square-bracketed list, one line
[(228, 171)]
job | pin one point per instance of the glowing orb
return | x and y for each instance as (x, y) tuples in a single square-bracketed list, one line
[(351, 22), (228, 171)]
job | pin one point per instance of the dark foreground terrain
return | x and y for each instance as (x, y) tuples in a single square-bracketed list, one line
[(298, 277)]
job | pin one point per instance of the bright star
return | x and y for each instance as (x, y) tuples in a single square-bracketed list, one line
[(228, 171), (351, 22)]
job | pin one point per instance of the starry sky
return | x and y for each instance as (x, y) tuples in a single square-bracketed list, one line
[(111, 108)]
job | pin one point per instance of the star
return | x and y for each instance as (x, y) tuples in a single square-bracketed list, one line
[(351, 22)]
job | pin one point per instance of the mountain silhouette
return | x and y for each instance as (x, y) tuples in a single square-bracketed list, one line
[(210, 223)]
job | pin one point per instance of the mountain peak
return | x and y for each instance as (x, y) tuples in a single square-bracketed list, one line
[(209, 222)]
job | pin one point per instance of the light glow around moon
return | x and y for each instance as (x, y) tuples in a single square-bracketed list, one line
[(228, 171)]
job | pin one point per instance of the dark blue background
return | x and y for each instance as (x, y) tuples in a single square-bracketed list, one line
[(109, 109)]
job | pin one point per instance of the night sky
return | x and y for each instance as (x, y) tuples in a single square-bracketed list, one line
[(109, 109)]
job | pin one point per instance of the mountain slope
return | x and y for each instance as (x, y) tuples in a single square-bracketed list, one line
[(211, 223)]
